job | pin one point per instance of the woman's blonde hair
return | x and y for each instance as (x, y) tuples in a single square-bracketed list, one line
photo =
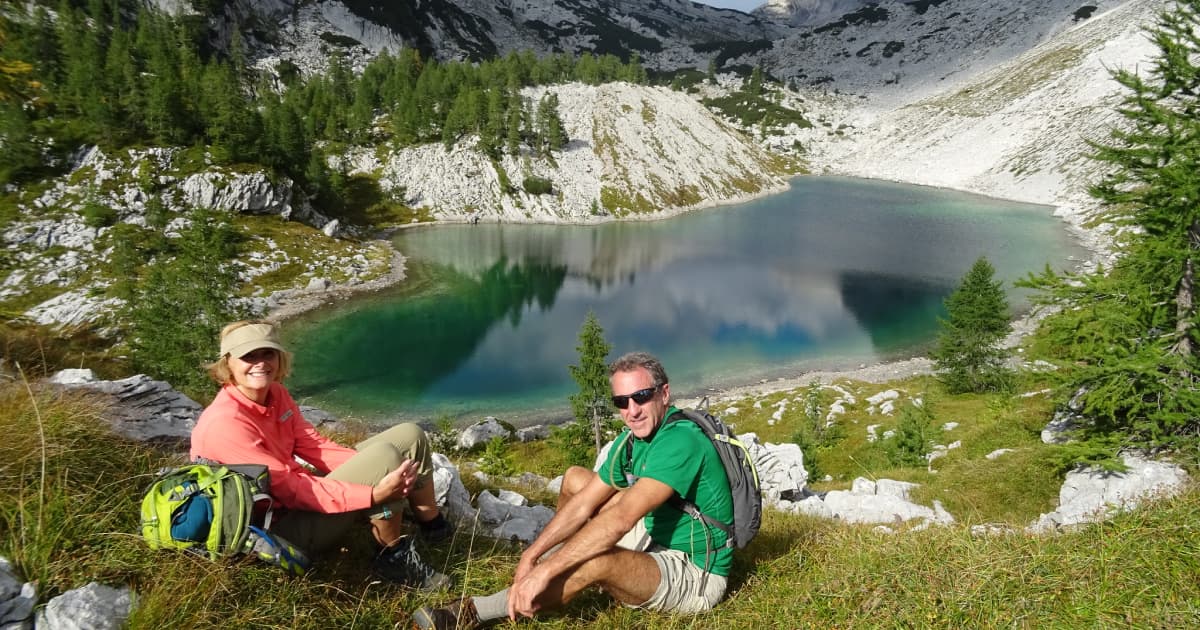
[(219, 369)]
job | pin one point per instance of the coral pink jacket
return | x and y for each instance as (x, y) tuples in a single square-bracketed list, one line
[(237, 430)]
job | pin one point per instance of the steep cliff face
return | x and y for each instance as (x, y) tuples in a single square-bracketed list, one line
[(808, 12), (305, 33)]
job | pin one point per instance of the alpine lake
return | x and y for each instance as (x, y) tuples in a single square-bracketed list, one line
[(833, 273)]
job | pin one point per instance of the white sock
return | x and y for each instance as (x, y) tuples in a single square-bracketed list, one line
[(491, 607)]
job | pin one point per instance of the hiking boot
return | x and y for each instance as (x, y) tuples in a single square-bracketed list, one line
[(456, 615), (276, 550), (402, 564), (436, 530)]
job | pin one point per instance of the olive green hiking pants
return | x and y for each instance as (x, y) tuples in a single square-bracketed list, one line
[(376, 457)]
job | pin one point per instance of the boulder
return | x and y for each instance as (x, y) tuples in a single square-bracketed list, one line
[(865, 503), (481, 433), (145, 409), (315, 416), (525, 527), (449, 490), (318, 285), (17, 599), (812, 506), (93, 607), (497, 509), (533, 433), (331, 228), (1091, 495), (780, 467)]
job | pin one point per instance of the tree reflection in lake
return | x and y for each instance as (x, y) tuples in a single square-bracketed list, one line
[(833, 272)]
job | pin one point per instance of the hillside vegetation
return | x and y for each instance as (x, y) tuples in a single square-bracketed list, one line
[(1117, 352), (63, 526)]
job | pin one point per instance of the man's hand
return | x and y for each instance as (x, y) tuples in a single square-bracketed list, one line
[(524, 566), (396, 484), (524, 591)]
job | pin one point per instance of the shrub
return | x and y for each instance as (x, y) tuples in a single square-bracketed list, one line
[(496, 460), (914, 436), (537, 185), (97, 215)]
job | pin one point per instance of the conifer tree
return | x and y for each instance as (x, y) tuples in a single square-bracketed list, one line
[(1130, 336), (592, 405), (968, 355), (184, 300), (20, 155), (551, 133), (516, 124)]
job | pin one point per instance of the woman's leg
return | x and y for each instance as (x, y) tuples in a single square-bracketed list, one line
[(410, 441)]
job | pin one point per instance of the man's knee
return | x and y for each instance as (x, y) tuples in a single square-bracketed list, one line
[(576, 478)]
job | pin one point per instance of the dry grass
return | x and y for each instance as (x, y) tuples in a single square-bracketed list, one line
[(68, 515)]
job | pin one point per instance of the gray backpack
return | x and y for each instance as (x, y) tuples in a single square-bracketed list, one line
[(739, 468)]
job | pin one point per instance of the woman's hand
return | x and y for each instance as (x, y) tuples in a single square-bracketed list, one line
[(396, 484)]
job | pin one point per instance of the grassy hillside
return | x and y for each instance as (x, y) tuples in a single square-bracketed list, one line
[(69, 490)]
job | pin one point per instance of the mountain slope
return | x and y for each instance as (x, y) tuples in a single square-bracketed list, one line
[(482, 29), (898, 51), (634, 150), (1017, 131)]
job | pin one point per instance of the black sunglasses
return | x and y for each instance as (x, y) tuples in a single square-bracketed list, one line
[(641, 397)]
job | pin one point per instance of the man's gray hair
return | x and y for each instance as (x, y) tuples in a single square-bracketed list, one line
[(633, 360)]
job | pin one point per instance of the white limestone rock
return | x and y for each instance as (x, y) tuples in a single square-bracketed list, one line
[(318, 285), (93, 607), (17, 599), (251, 193), (498, 509), (481, 433), (1090, 495), (864, 503), (533, 433), (1058, 430), (812, 506), (449, 490), (146, 409), (524, 524), (73, 376), (781, 472)]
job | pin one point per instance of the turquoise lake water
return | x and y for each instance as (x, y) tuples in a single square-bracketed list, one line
[(834, 272)]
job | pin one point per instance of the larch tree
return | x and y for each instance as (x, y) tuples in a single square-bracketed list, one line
[(1129, 336)]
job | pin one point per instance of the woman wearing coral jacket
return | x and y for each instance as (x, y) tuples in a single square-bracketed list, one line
[(253, 420)]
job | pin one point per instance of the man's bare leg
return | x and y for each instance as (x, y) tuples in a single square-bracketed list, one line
[(631, 577)]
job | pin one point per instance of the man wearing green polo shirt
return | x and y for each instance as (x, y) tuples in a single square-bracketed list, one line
[(616, 528)]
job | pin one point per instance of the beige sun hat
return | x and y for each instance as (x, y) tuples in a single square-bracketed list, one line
[(246, 339)]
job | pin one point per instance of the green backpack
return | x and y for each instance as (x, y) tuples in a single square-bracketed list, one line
[(216, 511)]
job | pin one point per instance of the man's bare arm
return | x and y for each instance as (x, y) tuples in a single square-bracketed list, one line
[(607, 527), (597, 536), (570, 518)]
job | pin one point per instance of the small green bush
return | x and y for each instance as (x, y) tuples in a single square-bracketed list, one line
[(496, 460), (914, 437), (537, 185), (97, 215)]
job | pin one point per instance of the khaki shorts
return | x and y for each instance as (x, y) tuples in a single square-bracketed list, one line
[(684, 587)]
